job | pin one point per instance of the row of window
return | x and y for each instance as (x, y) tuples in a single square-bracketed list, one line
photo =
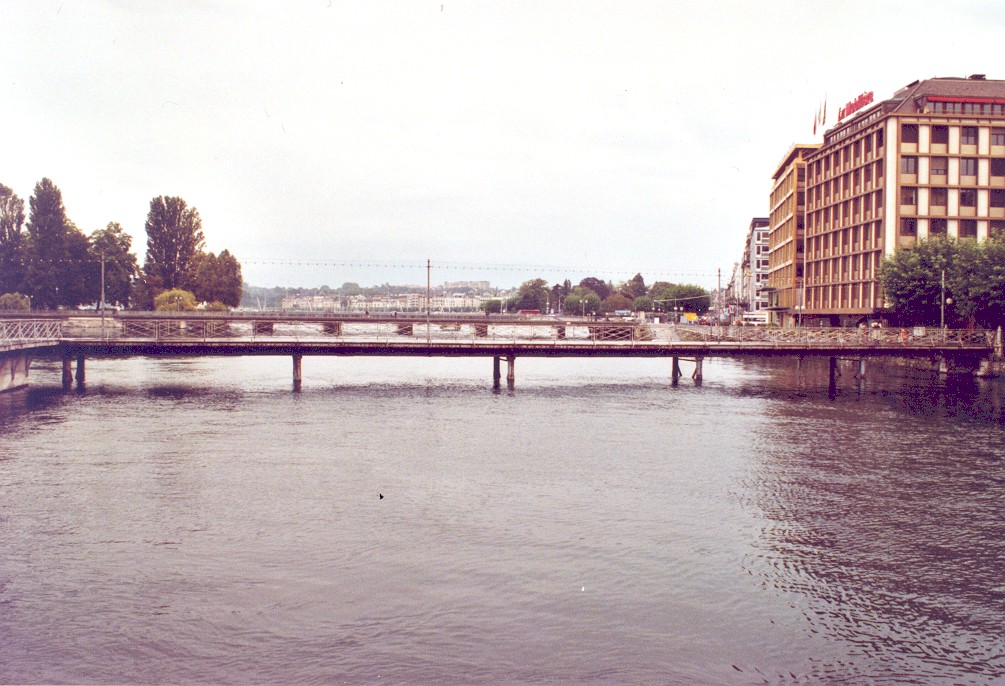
[(965, 228), (939, 197), (940, 134), (871, 144), (939, 166), (985, 108), (846, 296)]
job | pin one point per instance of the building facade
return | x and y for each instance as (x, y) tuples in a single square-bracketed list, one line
[(930, 161), (784, 287), (755, 273)]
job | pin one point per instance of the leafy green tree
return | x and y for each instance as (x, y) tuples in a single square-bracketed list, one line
[(635, 287), (113, 246), (912, 281), (213, 277), (12, 240), (14, 302), (597, 286), (57, 260), (533, 295), (616, 301), (174, 239), (643, 304), (581, 301), (492, 306), (175, 300)]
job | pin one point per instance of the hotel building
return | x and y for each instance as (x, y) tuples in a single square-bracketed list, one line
[(929, 161), (784, 289)]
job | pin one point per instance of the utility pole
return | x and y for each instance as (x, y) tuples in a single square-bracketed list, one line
[(942, 302), (102, 296), (718, 297)]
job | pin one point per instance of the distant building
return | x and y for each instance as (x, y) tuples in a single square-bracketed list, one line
[(755, 273), (929, 161), (783, 289)]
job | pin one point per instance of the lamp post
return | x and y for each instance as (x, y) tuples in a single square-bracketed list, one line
[(942, 302)]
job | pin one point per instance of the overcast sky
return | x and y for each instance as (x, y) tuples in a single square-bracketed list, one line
[(503, 140)]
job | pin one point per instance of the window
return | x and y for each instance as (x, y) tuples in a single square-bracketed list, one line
[(997, 198), (909, 133), (997, 166), (937, 227), (938, 166), (998, 135), (968, 166), (908, 227), (879, 139), (968, 135), (940, 135), (968, 228), (908, 195), (909, 164), (939, 196), (968, 197)]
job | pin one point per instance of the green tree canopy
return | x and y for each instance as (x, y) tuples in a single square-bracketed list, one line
[(688, 297), (492, 306), (216, 278), (57, 260), (616, 301), (974, 282), (533, 295), (174, 239), (12, 240), (14, 301), (175, 300), (635, 287), (581, 301), (597, 286), (113, 245)]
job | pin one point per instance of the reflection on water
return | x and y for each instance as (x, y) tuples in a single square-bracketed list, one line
[(194, 520)]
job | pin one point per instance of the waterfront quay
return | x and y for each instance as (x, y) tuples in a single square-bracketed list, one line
[(74, 337)]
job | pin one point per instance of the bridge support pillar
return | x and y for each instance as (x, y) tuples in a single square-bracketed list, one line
[(496, 374), (510, 371), (675, 372), (67, 373), (861, 368), (698, 361), (297, 371), (833, 375), (81, 380)]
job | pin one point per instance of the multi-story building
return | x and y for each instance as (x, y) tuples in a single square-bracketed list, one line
[(755, 272), (784, 288), (929, 161)]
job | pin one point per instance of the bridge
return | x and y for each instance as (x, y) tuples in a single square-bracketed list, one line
[(77, 336)]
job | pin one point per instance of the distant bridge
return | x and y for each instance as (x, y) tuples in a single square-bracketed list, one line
[(75, 335)]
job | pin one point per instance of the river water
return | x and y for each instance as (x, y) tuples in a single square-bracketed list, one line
[(195, 521)]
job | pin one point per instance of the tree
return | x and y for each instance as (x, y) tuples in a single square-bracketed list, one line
[(57, 260), (112, 245), (616, 301), (174, 238), (597, 286), (492, 306), (12, 240), (175, 300), (582, 301), (635, 287), (912, 280), (643, 304), (15, 302), (216, 278), (533, 295)]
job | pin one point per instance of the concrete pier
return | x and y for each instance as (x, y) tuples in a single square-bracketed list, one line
[(14, 371), (496, 374), (297, 371), (67, 372), (81, 377), (675, 372), (698, 363), (510, 371)]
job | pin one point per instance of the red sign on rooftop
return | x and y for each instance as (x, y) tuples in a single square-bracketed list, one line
[(855, 105)]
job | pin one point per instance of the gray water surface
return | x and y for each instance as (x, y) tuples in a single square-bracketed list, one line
[(195, 521)]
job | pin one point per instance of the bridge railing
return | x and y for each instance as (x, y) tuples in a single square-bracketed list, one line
[(544, 332), (28, 330)]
